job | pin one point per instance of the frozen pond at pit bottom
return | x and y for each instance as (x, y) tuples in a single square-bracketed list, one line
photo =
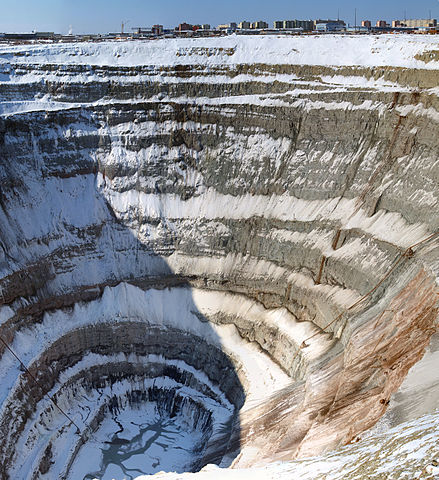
[(137, 442)]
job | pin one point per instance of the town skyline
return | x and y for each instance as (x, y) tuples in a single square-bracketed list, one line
[(105, 16)]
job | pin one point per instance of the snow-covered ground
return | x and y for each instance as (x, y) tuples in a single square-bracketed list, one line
[(401, 453), (335, 50)]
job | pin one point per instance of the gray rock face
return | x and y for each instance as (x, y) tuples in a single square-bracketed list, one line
[(258, 241)]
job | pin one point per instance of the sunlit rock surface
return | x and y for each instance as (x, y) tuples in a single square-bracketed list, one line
[(218, 251)]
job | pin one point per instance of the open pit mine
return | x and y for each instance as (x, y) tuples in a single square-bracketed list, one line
[(219, 258)]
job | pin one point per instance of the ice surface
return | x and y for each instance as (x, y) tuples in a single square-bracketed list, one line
[(137, 441)]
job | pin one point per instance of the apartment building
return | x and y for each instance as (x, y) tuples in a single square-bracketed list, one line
[(184, 27), (259, 25), (244, 25), (305, 25), (228, 26), (415, 23)]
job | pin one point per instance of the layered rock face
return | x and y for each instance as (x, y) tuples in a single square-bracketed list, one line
[(236, 248)]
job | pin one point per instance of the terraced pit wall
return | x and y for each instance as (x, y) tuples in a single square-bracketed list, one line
[(261, 234)]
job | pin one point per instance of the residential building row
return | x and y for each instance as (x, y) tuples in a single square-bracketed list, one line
[(415, 23), (428, 25), (327, 25)]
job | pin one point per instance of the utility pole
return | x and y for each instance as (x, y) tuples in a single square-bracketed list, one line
[(355, 25)]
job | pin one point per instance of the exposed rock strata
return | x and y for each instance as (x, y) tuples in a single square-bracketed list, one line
[(254, 230)]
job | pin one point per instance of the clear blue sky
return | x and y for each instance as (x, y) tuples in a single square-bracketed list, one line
[(106, 15)]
